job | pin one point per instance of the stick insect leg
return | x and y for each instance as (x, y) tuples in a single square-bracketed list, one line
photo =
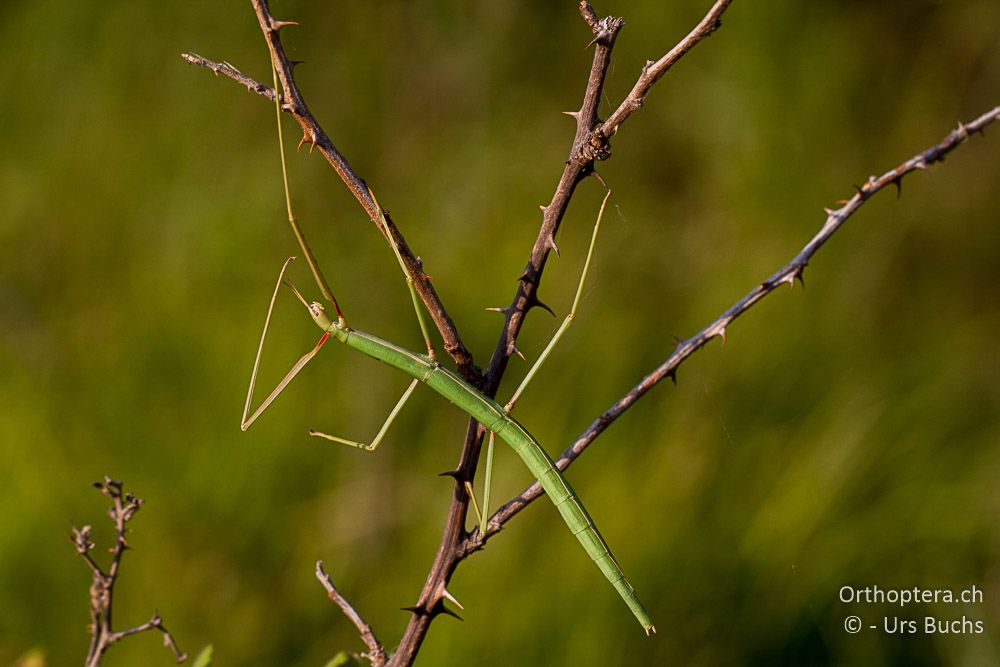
[(487, 479), (482, 513), (384, 227), (572, 312), (247, 421), (541, 359), (370, 447)]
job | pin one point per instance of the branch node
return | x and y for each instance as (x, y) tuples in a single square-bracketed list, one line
[(606, 30)]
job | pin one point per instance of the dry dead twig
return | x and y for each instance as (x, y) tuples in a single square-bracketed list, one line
[(124, 505)]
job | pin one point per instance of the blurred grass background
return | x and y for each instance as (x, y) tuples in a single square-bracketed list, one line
[(845, 435)]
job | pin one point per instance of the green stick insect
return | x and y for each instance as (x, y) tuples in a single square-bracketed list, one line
[(426, 369)]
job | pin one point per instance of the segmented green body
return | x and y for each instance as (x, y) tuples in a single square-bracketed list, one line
[(492, 415)]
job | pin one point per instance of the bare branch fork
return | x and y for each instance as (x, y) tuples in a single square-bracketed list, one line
[(591, 142), (123, 508)]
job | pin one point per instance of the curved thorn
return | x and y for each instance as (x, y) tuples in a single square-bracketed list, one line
[(553, 246), (534, 301)]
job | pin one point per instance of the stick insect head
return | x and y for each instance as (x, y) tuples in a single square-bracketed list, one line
[(316, 310)]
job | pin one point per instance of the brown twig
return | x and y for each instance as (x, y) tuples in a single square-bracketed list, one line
[(376, 653), (228, 70), (652, 71), (587, 146), (787, 274), (123, 508), (314, 135)]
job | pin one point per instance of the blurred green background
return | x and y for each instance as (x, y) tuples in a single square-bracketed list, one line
[(844, 435)]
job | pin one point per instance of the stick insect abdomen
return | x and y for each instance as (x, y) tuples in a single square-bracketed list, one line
[(492, 415), (573, 513)]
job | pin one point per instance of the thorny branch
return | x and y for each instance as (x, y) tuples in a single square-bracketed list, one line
[(652, 71), (787, 274), (123, 508), (313, 134), (590, 143)]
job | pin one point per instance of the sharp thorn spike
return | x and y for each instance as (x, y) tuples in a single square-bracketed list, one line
[(520, 354), (296, 63), (451, 598), (553, 246), (419, 611), (673, 376), (303, 140), (442, 608), (454, 474), (278, 25), (572, 114), (898, 182), (829, 211), (722, 335), (498, 309), (534, 302)]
